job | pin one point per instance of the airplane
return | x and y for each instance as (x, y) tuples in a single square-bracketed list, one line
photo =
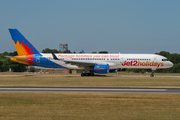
[(89, 63)]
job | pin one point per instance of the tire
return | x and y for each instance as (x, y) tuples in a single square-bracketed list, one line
[(82, 74), (152, 75), (92, 74), (87, 74)]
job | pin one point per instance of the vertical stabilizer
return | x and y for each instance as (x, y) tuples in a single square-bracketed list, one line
[(22, 45)]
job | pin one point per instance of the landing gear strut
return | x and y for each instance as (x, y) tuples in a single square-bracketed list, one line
[(152, 74), (88, 71)]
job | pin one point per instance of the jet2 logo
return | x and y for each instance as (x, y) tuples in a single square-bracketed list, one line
[(138, 63)]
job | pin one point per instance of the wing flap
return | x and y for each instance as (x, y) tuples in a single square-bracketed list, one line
[(79, 63)]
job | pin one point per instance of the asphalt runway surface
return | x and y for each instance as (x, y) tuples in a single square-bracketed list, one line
[(91, 90), (88, 89)]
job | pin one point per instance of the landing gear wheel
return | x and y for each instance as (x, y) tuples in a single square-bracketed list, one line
[(91, 74), (152, 75), (82, 74), (87, 74)]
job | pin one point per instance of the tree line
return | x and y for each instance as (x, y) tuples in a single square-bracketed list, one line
[(6, 63), (174, 58), (48, 50)]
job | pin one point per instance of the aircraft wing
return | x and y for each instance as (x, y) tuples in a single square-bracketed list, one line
[(18, 58), (79, 63)]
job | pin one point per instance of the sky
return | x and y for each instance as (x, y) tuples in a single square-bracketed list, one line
[(125, 26)]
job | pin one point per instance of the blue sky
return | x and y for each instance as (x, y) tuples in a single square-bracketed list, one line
[(126, 26)]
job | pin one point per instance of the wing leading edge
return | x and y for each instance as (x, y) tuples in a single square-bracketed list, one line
[(80, 64)]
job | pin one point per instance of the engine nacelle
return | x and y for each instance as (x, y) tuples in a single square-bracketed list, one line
[(101, 69), (112, 71)]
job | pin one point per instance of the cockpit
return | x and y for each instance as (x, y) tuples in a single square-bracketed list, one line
[(165, 60)]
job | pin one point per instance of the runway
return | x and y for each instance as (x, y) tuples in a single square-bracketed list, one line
[(92, 90)]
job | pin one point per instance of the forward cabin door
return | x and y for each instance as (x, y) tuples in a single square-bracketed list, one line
[(121, 59)]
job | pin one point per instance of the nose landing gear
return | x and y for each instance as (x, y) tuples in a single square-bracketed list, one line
[(152, 74)]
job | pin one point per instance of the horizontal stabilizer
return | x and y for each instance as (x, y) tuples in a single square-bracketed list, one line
[(18, 58)]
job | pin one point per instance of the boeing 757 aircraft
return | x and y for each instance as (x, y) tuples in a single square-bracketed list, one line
[(89, 63)]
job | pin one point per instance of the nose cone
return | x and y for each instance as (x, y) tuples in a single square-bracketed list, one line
[(167, 64), (170, 64)]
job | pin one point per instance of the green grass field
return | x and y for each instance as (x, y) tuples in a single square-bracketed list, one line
[(98, 81), (74, 106), (80, 106)]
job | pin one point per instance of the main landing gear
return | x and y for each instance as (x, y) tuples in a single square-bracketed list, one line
[(87, 74), (152, 74), (88, 71)]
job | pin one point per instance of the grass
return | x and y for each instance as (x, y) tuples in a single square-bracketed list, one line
[(109, 74), (51, 81), (80, 106), (74, 106)]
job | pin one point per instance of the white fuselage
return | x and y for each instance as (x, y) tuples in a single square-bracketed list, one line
[(146, 61)]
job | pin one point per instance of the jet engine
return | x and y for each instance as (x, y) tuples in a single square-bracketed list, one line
[(101, 69)]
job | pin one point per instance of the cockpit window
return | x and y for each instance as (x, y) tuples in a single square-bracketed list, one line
[(165, 60)]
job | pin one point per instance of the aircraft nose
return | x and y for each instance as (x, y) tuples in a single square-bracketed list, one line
[(170, 64)]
